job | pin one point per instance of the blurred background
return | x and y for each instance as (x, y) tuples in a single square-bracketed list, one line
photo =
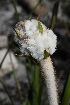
[(16, 86)]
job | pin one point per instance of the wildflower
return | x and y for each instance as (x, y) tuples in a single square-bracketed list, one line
[(35, 38), (39, 42)]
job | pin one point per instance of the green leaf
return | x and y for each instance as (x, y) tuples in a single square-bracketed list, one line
[(18, 33), (66, 95), (46, 54), (40, 27)]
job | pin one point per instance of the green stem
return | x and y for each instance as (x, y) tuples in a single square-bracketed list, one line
[(54, 14), (66, 95), (15, 8), (34, 9), (17, 83)]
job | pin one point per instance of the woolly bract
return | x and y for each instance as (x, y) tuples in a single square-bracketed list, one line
[(35, 38)]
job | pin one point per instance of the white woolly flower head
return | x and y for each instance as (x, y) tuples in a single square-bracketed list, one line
[(35, 38)]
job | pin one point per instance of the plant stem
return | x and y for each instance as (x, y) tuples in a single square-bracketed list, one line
[(66, 95), (6, 90), (15, 8), (16, 80), (34, 9), (4, 58), (54, 14), (48, 73)]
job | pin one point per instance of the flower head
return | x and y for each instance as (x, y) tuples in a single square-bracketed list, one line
[(35, 38)]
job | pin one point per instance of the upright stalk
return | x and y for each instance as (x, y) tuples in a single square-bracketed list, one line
[(39, 42), (7, 92), (54, 14), (15, 8), (48, 73), (66, 94), (16, 81)]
